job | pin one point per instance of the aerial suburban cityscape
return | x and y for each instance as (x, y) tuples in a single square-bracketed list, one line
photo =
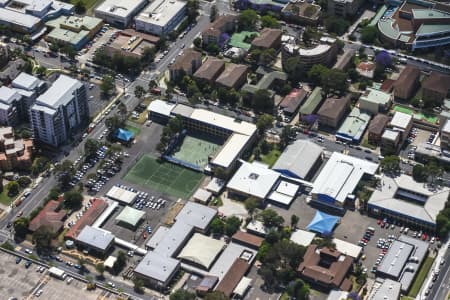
[(225, 149)]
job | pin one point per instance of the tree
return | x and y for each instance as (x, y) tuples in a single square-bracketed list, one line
[(270, 22), (434, 170), (213, 13), (230, 96), (335, 80), (39, 165), (72, 199), (232, 225), (369, 34), (41, 70), (139, 91), (1, 182), (198, 42), (295, 69), (148, 55), (100, 267), (21, 226), (419, 173), (107, 84), (336, 25), (217, 226), (316, 73), (113, 123), (24, 181), (138, 285), (264, 122), (285, 136), (90, 147), (298, 290), (247, 19), (391, 164), (251, 204), (262, 101), (270, 218), (192, 10), (13, 188), (119, 263), (307, 36), (216, 295), (42, 237), (294, 220), (181, 294), (79, 7)]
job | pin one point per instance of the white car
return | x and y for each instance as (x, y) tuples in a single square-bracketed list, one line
[(28, 251)]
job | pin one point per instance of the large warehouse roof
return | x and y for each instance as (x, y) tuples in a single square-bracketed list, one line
[(157, 267), (254, 179), (196, 215), (202, 250), (298, 158), (122, 195), (341, 175), (161, 107), (130, 216)]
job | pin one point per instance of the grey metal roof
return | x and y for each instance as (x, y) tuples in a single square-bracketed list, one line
[(157, 267), (388, 289), (299, 158), (60, 93), (174, 239), (157, 237), (8, 95), (182, 110), (196, 215), (95, 237), (395, 259), (385, 197), (26, 81)]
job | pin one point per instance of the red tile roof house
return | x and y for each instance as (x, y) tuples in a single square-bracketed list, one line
[(326, 267), (88, 218), (50, 216)]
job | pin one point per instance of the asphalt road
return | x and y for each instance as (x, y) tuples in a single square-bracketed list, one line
[(441, 287)]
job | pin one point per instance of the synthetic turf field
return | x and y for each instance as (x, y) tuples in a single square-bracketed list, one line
[(164, 177), (195, 151)]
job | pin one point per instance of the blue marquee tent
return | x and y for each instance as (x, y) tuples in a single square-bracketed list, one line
[(323, 223), (124, 135)]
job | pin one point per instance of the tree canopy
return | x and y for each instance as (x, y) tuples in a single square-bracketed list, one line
[(369, 34), (247, 19), (270, 22), (72, 199), (182, 294), (107, 85), (262, 101), (270, 218), (264, 122), (391, 164), (295, 69), (21, 226)]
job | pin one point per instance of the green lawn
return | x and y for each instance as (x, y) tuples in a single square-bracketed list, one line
[(418, 282), (271, 157), (165, 177), (4, 198)]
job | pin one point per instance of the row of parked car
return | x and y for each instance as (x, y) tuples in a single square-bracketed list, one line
[(111, 167)]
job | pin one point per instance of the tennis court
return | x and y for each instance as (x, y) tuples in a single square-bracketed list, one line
[(164, 177), (238, 40), (195, 150)]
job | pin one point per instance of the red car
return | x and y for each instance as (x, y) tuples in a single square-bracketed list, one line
[(379, 221), (382, 225), (424, 236)]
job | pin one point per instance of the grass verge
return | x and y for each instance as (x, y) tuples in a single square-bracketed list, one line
[(4, 198)]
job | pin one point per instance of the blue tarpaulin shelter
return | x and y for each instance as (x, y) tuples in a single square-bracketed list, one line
[(323, 223), (124, 135)]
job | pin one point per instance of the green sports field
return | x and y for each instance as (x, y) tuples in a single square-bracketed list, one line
[(164, 177), (195, 150)]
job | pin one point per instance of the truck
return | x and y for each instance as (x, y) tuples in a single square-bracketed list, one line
[(58, 273)]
